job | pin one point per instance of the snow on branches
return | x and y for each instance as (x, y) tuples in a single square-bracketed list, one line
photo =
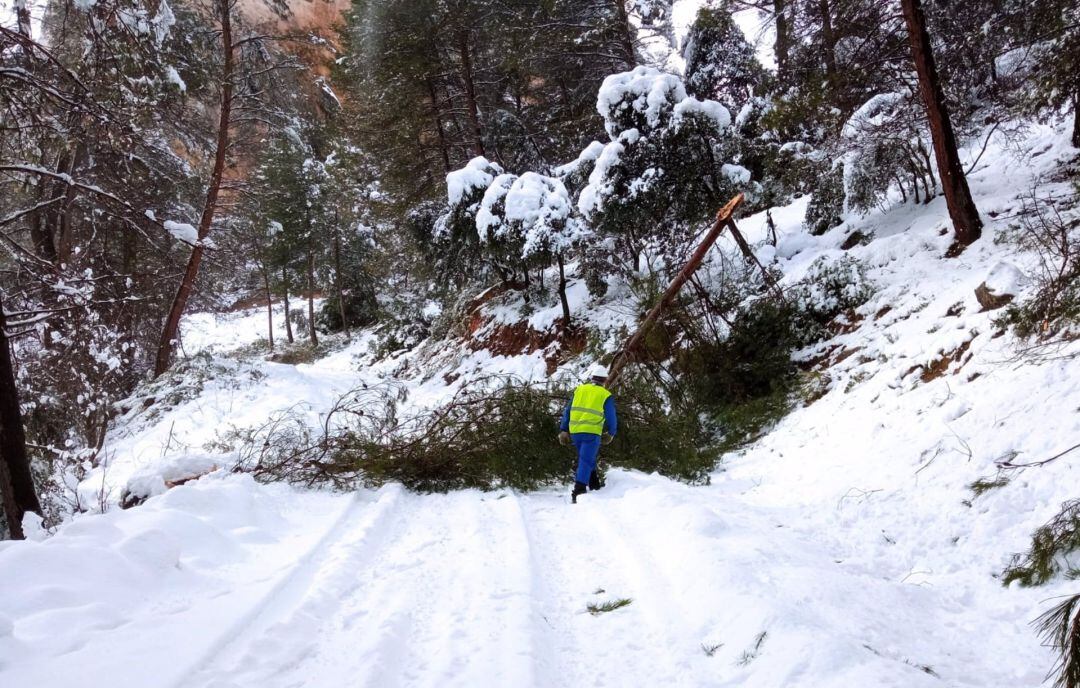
[(532, 209)]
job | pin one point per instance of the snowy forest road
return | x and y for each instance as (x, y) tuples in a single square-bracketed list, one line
[(492, 589), (225, 583)]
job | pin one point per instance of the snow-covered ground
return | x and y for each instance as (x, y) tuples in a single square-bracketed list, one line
[(844, 549), (227, 583)]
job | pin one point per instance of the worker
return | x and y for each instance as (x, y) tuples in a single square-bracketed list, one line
[(589, 421)]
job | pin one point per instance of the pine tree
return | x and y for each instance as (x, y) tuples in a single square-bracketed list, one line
[(720, 64)]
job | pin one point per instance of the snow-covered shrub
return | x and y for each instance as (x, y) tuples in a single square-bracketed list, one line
[(783, 167), (830, 287), (740, 370), (454, 239), (523, 218), (883, 147)]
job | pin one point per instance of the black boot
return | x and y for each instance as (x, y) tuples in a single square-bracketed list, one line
[(579, 489), (595, 482)]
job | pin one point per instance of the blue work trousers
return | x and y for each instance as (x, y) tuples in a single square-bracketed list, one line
[(588, 446)]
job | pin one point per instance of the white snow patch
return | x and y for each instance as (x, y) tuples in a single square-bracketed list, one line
[(182, 231)]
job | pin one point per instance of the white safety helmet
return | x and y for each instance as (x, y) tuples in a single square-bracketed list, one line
[(598, 371)]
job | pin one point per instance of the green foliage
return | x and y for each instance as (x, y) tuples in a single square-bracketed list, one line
[(1060, 628), (671, 172), (721, 64), (532, 69), (1050, 544), (361, 310), (826, 208), (299, 352), (753, 361), (983, 485), (497, 433), (745, 380), (598, 608), (662, 433), (831, 287)]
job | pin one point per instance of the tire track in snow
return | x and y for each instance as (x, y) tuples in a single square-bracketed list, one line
[(461, 607), (443, 600), (575, 550), (241, 639), (543, 638), (554, 598), (660, 598)]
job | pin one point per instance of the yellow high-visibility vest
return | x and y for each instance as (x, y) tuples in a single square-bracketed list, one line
[(587, 409)]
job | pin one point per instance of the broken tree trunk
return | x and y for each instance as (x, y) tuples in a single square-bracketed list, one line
[(723, 221)]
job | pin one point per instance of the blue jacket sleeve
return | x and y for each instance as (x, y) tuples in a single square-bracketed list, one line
[(610, 417), (564, 426)]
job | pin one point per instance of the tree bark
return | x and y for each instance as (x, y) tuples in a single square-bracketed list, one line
[(269, 306), (337, 276), (65, 241), (285, 289), (723, 220), (444, 146), (562, 292), (967, 225), (782, 45), (472, 110), (626, 35), (167, 344), (311, 292), (16, 480), (1076, 121), (828, 40)]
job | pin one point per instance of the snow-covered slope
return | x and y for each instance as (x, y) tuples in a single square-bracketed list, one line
[(842, 549)]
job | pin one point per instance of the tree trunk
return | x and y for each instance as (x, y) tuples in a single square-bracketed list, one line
[(472, 110), (626, 35), (172, 322), (337, 276), (311, 292), (723, 220), (1076, 121), (65, 237), (967, 225), (562, 292), (444, 146), (782, 46), (285, 288), (16, 481), (269, 306), (828, 40)]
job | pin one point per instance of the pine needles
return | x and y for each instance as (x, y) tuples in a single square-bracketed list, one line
[(597, 608), (1049, 545), (1060, 629)]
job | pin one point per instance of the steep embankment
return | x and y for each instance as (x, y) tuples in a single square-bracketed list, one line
[(844, 548)]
